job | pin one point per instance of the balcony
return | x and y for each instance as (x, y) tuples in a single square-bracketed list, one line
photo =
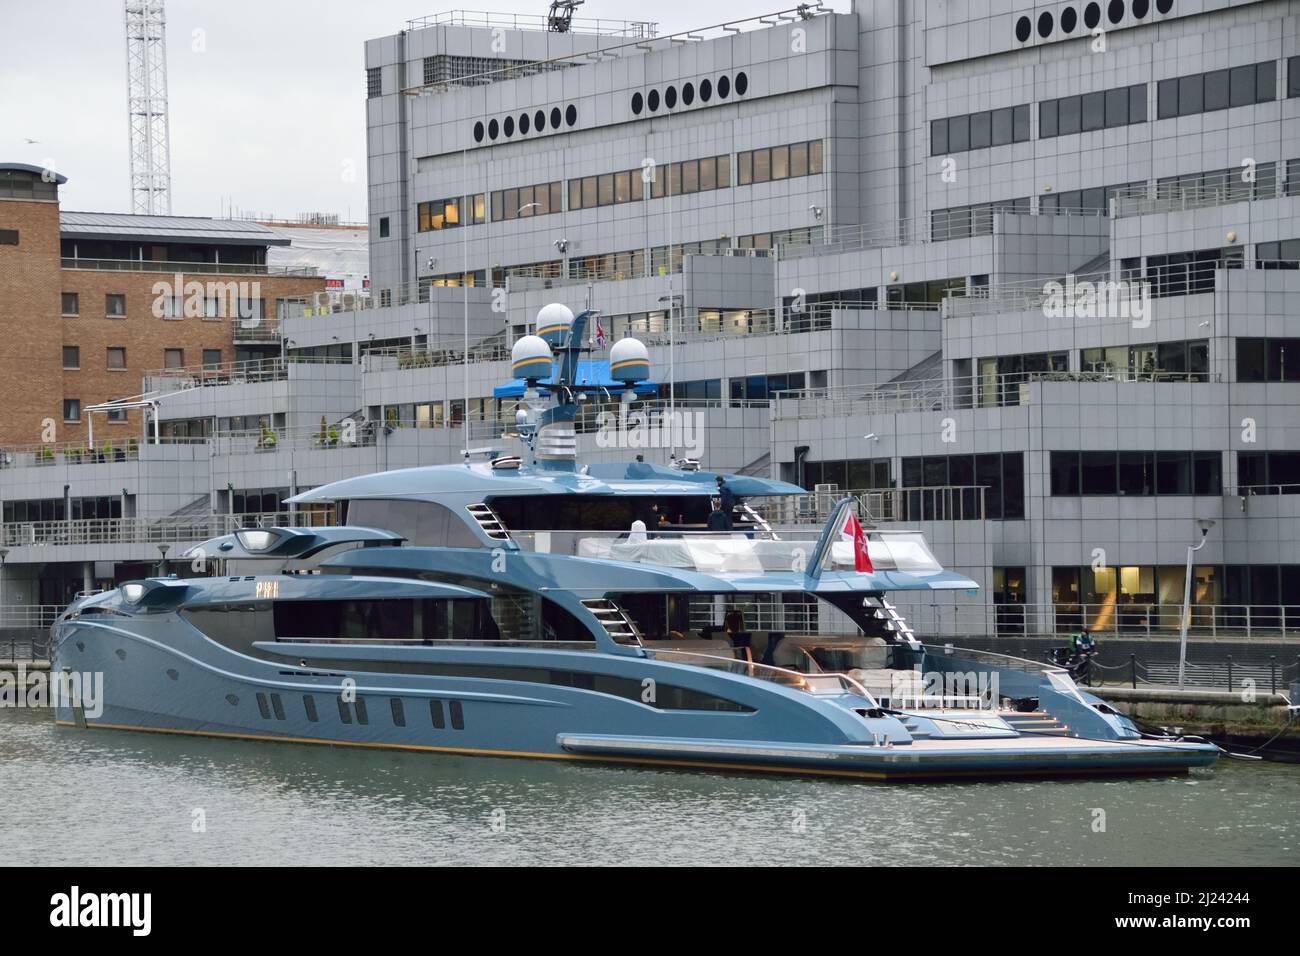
[(185, 268)]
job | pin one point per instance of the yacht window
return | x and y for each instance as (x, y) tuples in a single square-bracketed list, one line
[(262, 708), (435, 713), (399, 714), (362, 716), (309, 705), (345, 714), (457, 716)]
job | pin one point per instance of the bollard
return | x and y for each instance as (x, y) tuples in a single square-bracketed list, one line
[(1133, 671)]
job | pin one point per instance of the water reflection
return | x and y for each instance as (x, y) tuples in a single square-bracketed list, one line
[(120, 797)]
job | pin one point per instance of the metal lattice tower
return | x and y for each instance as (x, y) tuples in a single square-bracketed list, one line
[(146, 90)]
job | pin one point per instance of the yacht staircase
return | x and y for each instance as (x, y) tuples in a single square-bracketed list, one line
[(617, 625)]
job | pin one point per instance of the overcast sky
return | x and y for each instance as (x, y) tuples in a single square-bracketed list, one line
[(267, 99)]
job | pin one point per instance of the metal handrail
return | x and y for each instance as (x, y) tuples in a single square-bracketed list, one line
[(139, 530), (191, 268)]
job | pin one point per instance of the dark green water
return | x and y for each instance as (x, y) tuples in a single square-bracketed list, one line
[(114, 797)]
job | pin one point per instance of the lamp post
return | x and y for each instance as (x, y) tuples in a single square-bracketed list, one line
[(162, 567), (4, 553), (1205, 524)]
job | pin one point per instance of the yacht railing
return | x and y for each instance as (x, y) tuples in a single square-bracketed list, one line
[(139, 530), (820, 683)]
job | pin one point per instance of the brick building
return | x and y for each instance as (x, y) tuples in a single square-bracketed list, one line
[(91, 302)]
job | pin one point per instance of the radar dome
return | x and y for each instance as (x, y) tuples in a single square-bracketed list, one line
[(629, 361), (553, 323), (530, 359)]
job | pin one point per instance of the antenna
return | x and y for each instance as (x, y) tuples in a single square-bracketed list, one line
[(560, 19), (146, 90)]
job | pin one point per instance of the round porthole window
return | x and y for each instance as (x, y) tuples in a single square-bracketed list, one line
[(638, 103), (1141, 8), (493, 129), (1091, 16), (724, 87), (1164, 6), (670, 97), (524, 124), (555, 117), (706, 90), (688, 94), (539, 120), (478, 132), (232, 700), (1115, 11), (653, 100), (509, 126), (1044, 24), (1069, 20), (571, 114), (742, 84), (1023, 29)]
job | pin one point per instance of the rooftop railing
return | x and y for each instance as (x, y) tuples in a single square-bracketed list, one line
[(117, 531), (186, 268), (250, 372), (1170, 197), (524, 21)]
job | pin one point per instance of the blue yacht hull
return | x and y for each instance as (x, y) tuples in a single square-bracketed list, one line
[(165, 676)]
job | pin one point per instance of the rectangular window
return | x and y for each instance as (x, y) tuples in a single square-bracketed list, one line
[(1166, 99), (115, 305), (1097, 470), (72, 410), (116, 415), (958, 134), (71, 304), (173, 358), (745, 168), (1137, 103), (71, 357), (781, 162), (1191, 95), (1020, 123), (309, 705), (436, 715), (1117, 107), (1003, 128), (211, 358), (938, 137), (981, 130), (1065, 472), (1070, 116), (1217, 90), (457, 715), (1293, 76), (1094, 111), (374, 82), (1047, 123), (116, 358), (383, 227), (815, 157)]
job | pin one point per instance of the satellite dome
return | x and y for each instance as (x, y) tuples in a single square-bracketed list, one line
[(531, 359), (553, 323), (629, 361)]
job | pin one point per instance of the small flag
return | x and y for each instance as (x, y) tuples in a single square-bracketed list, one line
[(600, 333), (852, 531)]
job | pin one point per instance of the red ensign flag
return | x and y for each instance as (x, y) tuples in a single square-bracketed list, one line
[(853, 531)]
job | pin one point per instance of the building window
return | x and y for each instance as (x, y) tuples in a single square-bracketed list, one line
[(211, 358), (955, 134), (374, 82), (8, 237), (1136, 473), (1268, 360), (71, 357), (1268, 472), (115, 305), (1216, 90), (173, 358), (1190, 273), (1187, 361), (385, 298), (1278, 255), (116, 415), (71, 305), (778, 162), (72, 409), (383, 227), (521, 202), (964, 222), (116, 358), (958, 480), (1086, 112)]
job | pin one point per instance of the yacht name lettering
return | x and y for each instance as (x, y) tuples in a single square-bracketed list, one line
[(267, 589)]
